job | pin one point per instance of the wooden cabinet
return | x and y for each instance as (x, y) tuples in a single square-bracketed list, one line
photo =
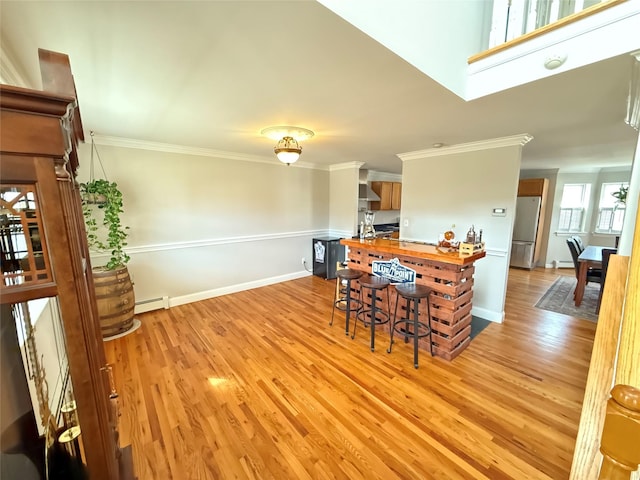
[(396, 195), (45, 255), (390, 194), (536, 187), (532, 187)]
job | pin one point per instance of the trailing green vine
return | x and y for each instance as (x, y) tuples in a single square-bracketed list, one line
[(621, 195), (104, 196)]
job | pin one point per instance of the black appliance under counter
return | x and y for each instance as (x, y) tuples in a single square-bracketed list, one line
[(327, 252)]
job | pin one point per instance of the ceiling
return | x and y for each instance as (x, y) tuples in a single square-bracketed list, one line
[(212, 75)]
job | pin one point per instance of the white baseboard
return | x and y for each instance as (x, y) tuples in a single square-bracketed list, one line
[(143, 306), (559, 264), (490, 315), (196, 297)]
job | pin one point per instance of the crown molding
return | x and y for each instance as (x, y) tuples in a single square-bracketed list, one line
[(345, 166), (200, 152), (513, 140)]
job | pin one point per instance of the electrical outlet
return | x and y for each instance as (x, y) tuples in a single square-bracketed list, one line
[(303, 261)]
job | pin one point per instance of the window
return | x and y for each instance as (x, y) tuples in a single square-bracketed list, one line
[(575, 198), (610, 210)]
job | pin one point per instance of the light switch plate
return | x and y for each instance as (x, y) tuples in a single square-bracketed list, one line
[(499, 212)]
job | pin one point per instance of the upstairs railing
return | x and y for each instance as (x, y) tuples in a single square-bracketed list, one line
[(514, 18), (516, 21)]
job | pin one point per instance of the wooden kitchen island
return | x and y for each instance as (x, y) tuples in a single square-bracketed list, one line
[(447, 273)]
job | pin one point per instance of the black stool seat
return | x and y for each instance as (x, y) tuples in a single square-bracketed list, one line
[(344, 303), (375, 315), (412, 327), (349, 274), (375, 283)]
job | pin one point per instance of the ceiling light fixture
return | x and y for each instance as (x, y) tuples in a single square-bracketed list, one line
[(287, 149)]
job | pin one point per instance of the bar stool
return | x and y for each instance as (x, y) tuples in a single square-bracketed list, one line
[(345, 274), (376, 315), (412, 327)]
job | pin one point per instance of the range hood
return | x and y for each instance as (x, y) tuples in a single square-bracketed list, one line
[(366, 193)]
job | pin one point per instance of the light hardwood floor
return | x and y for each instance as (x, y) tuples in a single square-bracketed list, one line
[(257, 385)]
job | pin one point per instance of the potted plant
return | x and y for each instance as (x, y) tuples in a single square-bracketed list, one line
[(621, 195), (101, 208), (105, 197)]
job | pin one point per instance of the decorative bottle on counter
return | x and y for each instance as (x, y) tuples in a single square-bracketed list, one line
[(471, 235), (369, 230)]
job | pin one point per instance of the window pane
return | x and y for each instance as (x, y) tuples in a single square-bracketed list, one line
[(576, 220), (573, 195), (618, 219), (604, 222), (565, 219)]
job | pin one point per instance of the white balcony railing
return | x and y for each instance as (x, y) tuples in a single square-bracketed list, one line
[(514, 18)]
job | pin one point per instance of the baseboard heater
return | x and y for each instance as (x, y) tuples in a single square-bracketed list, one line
[(143, 306), (564, 264)]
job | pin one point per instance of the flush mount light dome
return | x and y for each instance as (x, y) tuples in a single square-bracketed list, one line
[(287, 149)]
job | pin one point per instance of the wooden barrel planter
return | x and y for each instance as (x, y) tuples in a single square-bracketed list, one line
[(115, 298)]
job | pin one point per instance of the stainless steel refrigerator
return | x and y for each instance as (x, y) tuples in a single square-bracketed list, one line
[(525, 230)]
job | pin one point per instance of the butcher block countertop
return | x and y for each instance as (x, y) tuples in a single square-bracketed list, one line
[(412, 249)]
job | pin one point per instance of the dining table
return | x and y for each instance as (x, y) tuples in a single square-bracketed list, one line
[(591, 257)]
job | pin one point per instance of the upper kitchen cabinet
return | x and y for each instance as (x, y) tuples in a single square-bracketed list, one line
[(390, 194), (532, 187), (396, 195)]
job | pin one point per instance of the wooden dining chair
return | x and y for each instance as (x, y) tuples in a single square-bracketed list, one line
[(593, 274), (606, 253), (579, 243)]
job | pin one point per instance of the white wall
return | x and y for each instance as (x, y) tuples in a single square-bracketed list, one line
[(343, 211), (447, 189), (201, 226), (414, 29)]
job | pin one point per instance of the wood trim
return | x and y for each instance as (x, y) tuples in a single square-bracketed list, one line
[(628, 367), (587, 456), (614, 359), (42, 158), (620, 446), (25, 100), (563, 22)]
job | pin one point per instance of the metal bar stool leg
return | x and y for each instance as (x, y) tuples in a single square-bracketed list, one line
[(376, 315), (411, 325), (345, 275), (416, 307), (348, 314), (335, 298), (393, 325)]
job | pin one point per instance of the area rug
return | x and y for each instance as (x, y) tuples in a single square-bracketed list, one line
[(559, 299), (477, 325)]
